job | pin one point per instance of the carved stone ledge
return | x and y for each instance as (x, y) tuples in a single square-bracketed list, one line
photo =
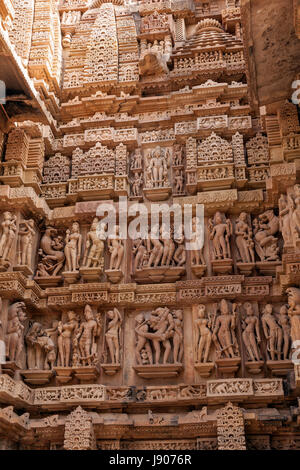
[(157, 194), (113, 275), (280, 368), (204, 369), (159, 274), (254, 367), (48, 281), (158, 371), (71, 276), (86, 374), (23, 269), (228, 366), (37, 377), (91, 274), (245, 268), (111, 369), (222, 266), (63, 374), (268, 268), (10, 368), (199, 269)]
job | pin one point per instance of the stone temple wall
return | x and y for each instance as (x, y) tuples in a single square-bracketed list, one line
[(101, 340)]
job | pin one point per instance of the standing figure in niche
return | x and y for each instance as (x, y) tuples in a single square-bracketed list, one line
[(26, 236), (139, 250), (113, 335), (203, 335), (157, 250), (178, 337), (116, 249), (197, 257), (284, 322), (294, 204), (86, 336), (169, 246), (251, 334), (65, 335), (285, 219), (244, 242), (220, 232), (15, 331), (180, 254), (94, 250), (9, 230), (73, 247), (224, 331), (272, 332)]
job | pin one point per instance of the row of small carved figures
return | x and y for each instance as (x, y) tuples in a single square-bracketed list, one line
[(165, 246)]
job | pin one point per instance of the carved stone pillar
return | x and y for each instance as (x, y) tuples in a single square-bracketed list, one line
[(79, 431), (231, 428)]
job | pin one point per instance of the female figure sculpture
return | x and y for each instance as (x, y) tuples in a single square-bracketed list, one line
[(65, 336), (113, 335), (26, 236), (272, 332), (251, 334), (15, 331), (203, 335), (178, 337), (73, 247), (116, 249), (9, 230), (244, 242)]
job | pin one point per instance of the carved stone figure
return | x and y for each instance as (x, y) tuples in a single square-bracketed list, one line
[(284, 322), (220, 233), (294, 205), (9, 230), (51, 253), (113, 335), (116, 248), (137, 183), (273, 333), (266, 244), (40, 348), (224, 335), (26, 236), (15, 331), (197, 257), (73, 245), (66, 333), (285, 205), (139, 250), (243, 240), (143, 351), (93, 255), (294, 311), (165, 332), (86, 338), (203, 335), (157, 168), (251, 333), (136, 160)]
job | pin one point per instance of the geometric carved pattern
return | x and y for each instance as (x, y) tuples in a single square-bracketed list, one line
[(230, 428), (258, 150)]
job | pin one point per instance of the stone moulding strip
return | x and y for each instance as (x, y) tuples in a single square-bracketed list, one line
[(102, 396)]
